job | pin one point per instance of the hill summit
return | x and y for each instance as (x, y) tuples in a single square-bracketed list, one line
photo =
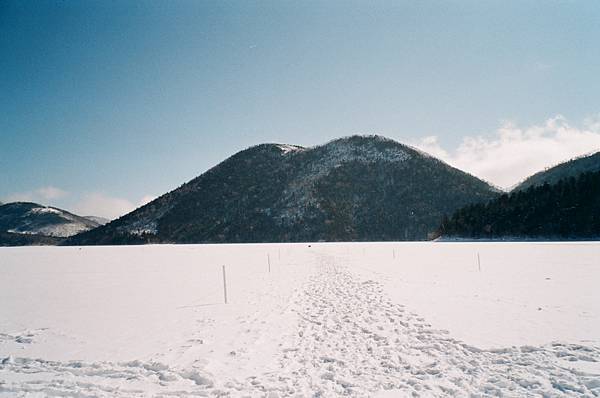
[(25, 223)]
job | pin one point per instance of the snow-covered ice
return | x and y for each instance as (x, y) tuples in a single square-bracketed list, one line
[(376, 319)]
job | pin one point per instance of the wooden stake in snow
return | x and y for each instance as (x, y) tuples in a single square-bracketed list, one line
[(478, 262), (394, 253), (224, 285), (269, 261)]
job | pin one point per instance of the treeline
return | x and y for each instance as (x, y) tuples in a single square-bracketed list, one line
[(569, 209), (12, 239)]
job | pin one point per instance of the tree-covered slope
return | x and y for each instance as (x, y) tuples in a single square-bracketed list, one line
[(572, 168), (356, 188), (569, 209)]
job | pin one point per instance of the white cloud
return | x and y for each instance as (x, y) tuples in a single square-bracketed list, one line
[(513, 153), (100, 204), (542, 66), (42, 195), (19, 197), (146, 199), (51, 193)]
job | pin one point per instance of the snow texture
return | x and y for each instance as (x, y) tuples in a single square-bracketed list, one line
[(69, 224), (97, 220), (326, 320), (286, 148), (299, 196)]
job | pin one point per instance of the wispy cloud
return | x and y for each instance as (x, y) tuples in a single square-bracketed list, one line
[(541, 66), (51, 193), (146, 199), (42, 195), (513, 153), (103, 205)]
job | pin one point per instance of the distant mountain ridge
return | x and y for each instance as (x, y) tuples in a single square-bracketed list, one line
[(571, 168), (23, 223), (361, 188)]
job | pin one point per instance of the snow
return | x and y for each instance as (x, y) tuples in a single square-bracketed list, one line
[(140, 229), (522, 291), (66, 225), (379, 319), (45, 210), (299, 196), (57, 230), (286, 148), (343, 150), (97, 220)]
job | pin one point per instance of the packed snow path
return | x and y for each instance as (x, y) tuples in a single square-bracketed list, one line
[(350, 340), (353, 341)]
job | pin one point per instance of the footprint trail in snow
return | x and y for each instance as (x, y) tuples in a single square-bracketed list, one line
[(351, 340)]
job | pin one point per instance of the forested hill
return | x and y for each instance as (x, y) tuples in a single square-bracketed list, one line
[(572, 168), (360, 188), (569, 209)]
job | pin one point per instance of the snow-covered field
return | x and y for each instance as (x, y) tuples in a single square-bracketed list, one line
[(381, 319)]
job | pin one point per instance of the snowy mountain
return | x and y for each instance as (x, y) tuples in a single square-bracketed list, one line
[(23, 223), (360, 188), (572, 168)]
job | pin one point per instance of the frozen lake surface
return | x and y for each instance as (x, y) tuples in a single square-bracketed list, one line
[(373, 319)]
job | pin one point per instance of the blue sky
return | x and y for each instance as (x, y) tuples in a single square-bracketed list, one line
[(105, 104)]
